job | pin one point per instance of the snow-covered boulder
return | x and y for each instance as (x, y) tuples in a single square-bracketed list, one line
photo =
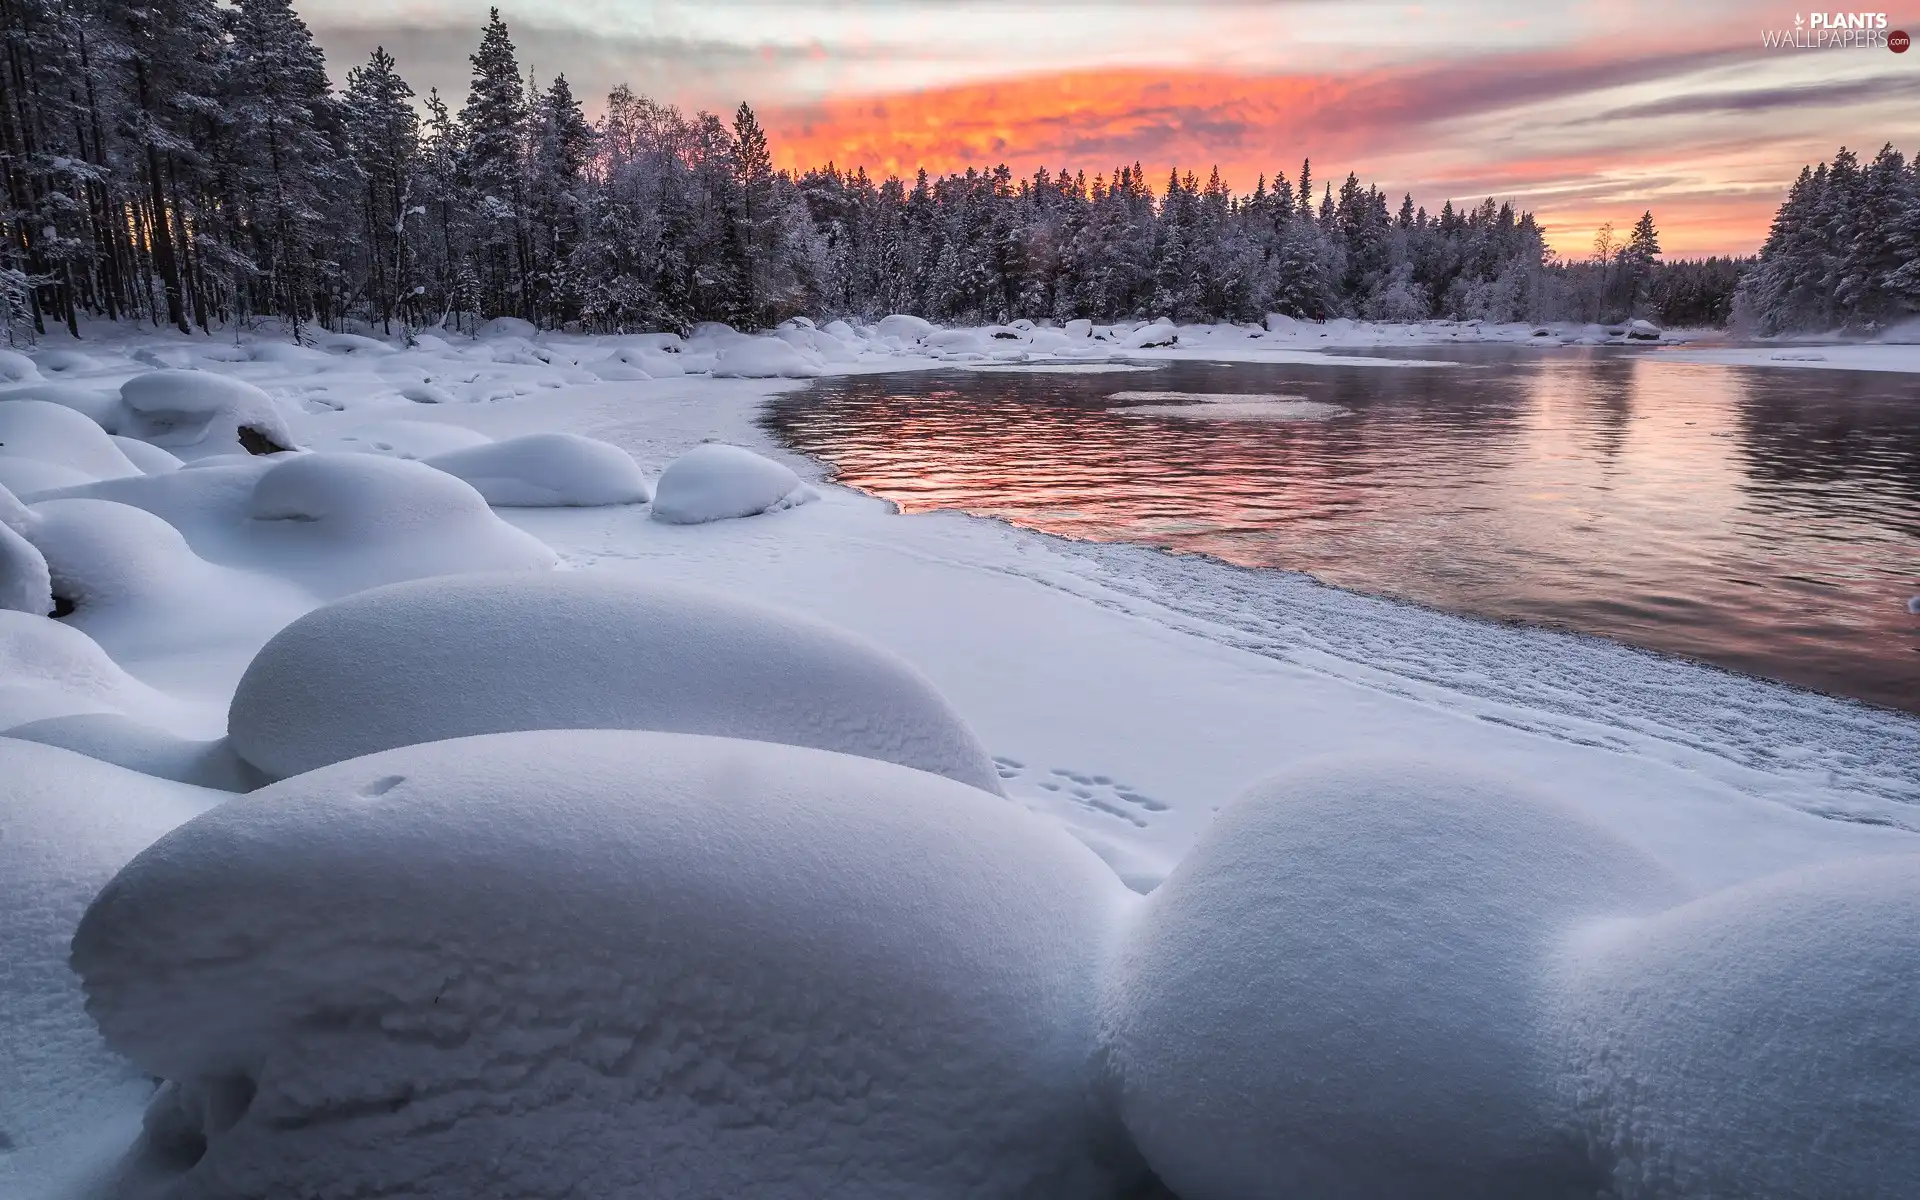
[(462, 655), (354, 343), (25, 584), (904, 328), (16, 367), (1159, 333), (506, 327), (1339, 992), (1643, 331), (195, 414), (608, 963), (428, 393), (1760, 1041), (716, 482), (119, 739), (402, 439), (351, 521), (811, 341), (55, 435), (547, 470), (50, 669), (15, 515), (67, 823), (1079, 328), (62, 361), (766, 358), (134, 585), (100, 405), (151, 459)]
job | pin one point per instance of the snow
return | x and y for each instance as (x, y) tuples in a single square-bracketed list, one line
[(16, 367), (40, 432), (903, 328), (1758, 1042), (543, 470), (717, 482), (67, 824), (766, 358), (25, 584), (463, 655), (1337, 991), (679, 966), (119, 739), (196, 414), (1116, 697)]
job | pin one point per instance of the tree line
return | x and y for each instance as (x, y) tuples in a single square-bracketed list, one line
[(188, 163)]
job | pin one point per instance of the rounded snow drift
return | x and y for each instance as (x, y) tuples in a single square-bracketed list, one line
[(53, 434), (25, 583), (610, 963), (119, 739), (1338, 992), (1759, 1041), (716, 482), (766, 358), (547, 470), (467, 654), (195, 414)]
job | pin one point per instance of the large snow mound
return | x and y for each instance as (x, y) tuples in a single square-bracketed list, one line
[(53, 433), (25, 583), (608, 963), (1339, 992), (766, 358), (463, 655), (545, 470), (50, 669), (67, 824), (195, 414), (1761, 1041), (716, 482), (359, 520)]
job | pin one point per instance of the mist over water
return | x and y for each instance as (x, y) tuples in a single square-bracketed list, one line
[(1765, 520)]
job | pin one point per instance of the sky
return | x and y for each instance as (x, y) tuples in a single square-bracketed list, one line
[(1582, 112)]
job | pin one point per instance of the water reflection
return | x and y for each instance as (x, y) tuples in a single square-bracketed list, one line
[(1765, 520)]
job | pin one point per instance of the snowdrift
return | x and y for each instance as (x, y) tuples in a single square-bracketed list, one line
[(119, 739), (607, 963), (461, 655), (67, 824), (717, 482), (50, 669), (766, 358), (195, 414), (1339, 992), (1758, 1042), (548, 470)]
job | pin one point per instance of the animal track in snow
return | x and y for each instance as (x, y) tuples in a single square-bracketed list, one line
[(1101, 793)]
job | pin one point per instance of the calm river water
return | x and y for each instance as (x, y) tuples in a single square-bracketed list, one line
[(1766, 520)]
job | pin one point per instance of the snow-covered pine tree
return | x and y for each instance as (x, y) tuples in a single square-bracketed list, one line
[(383, 144), (493, 147)]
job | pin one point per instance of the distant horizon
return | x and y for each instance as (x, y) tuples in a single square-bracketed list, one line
[(1579, 118)]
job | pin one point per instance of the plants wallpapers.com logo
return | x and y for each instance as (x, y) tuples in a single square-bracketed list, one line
[(1837, 31)]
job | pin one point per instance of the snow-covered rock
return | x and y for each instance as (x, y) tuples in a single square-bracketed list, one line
[(25, 584), (716, 482), (50, 669), (1339, 991), (463, 655), (1159, 333), (905, 328), (16, 367), (1644, 331), (100, 405), (354, 343), (349, 521), (506, 327), (1760, 1041), (67, 823), (195, 414), (15, 515), (607, 963), (53, 434), (766, 358), (61, 361), (428, 393), (1079, 328), (546, 470), (151, 459), (119, 739)]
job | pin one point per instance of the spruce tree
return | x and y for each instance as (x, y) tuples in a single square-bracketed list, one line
[(493, 143)]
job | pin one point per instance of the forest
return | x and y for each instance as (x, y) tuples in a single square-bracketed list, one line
[(190, 163)]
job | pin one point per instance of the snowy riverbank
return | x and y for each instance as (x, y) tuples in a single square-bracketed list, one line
[(1123, 697)]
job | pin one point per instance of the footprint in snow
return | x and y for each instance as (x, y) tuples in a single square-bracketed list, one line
[(1098, 793)]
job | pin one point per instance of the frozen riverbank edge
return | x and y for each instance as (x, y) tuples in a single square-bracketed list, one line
[(1125, 693)]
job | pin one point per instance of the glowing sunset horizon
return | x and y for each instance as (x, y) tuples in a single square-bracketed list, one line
[(1579, 117)]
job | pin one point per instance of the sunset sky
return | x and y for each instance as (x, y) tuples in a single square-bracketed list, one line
[(1581, 111)]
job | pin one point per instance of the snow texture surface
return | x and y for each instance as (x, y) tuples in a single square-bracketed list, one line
[(681, 966), (547, 470), (195, 414), (1339, 992), (462, 655), (716, 482)]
